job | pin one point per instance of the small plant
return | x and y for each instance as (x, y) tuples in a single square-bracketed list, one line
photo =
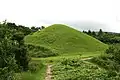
[(34, 66)]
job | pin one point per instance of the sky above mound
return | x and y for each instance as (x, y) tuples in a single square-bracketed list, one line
[(82, 14)]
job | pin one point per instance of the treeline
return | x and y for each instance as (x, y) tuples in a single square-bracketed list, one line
[(105, 37), (14, 56), (110, 60)]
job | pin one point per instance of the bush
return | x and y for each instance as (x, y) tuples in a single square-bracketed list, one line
[(7, 60), (21, 53), (75, 69), (114, 52), (110, 60), (110, 50), (34, 67), (39, 51), (6, 74)]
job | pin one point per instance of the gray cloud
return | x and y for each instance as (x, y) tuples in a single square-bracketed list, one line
[(86, 25), (82, 25)]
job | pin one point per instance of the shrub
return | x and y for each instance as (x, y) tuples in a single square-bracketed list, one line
[(34, 66), (6, 74), (7, 60), (75, 69), (110, 60), (39, 51)]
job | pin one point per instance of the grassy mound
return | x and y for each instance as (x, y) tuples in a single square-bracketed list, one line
[(64, 39)]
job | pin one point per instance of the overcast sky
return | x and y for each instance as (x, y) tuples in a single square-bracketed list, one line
[(81, 14)]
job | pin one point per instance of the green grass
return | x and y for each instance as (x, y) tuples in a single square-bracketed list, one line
[(65, 40), (39, 75), (84, 55)]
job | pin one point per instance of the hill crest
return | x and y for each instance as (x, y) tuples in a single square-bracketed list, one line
[(65, 39)]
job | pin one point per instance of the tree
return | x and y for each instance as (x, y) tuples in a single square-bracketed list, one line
[(89, 32), (93, 34), (21, 53), (100, 33), (84, 31), (34, 29), (13, 52), (7, 60), (42, 27)]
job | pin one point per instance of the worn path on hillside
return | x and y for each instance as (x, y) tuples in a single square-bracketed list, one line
[(86, 58), (49, 70), (48, 73)]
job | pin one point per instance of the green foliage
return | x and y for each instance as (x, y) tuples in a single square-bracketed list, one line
[(100, 33), (110, 50), (114, 52), (106, 63), (7, 60), (21, 54), (35, 67), (37, 71), (110, 60), (106, 37), (13, 52), (89, 32), (34, 29), (42, 27), (6, 74), (18, 36), (64, 39), (22, 57), (19, 28), (75, 69), (40, 51)]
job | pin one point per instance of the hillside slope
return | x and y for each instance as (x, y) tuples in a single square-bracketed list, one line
[(64, 39)]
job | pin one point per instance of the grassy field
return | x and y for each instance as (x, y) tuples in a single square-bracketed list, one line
[(81, 55), (65, 40), (40, 75)]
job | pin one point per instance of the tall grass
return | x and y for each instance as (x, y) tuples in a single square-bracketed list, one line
[(38, 75)]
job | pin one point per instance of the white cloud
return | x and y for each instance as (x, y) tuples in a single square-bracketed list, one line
[(42, 12)]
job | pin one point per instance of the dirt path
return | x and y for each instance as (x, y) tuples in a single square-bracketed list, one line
[(48, 73), (86, 58)]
